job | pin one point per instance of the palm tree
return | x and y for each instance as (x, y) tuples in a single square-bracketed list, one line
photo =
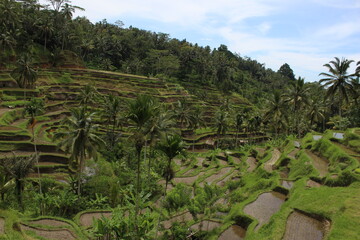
[(239, 120), (316, 112), (358, 68), (34, 108), (24, 74), (140, 112), (182, 112), (221, 125), (171, 146), (111, 109), (18, 169), (79, 138), (338, 80), (297, 96), (88, 95), (276, 112)]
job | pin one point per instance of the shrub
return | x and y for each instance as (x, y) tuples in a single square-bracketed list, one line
[(177, 197)]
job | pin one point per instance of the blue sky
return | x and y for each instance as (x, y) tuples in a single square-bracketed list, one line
[(303, 33)]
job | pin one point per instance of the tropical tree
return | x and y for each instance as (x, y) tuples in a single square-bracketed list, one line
[(316, 112), (221, 124), (140, 112), (111, 109), (18, 168), (338, 80), (79, 137), (171, 146), (182, 112), (276, 113), (24, 74), (297, 97), (88, 95), (34, 108), (239, 120)]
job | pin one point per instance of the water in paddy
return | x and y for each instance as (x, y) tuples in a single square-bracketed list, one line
[(265, 206), (234, 232), (299, 227)]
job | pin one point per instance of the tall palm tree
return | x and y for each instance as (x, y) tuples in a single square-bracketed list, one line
[(88, 95), (338, 80), (221, 124), (316, 112), (34, 108), (79, 138), (238, 123), (140, 112), (197, 120), (171, 146), (24, 74), (182, 112), (276, 112), (297, 97), (18, 168), (111, 109)]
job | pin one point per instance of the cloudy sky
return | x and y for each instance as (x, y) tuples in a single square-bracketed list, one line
[(303, 33)]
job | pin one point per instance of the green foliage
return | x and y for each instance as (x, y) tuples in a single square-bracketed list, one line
[(65, 79), (178, 197), (204, 198)]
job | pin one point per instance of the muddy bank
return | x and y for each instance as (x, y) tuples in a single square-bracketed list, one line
[(2, 226), (319, 163), (205, 225), (184, 217), (187, 180), (234, 232), (209, 180), (87, 219), (265, 206), (56, 234), (252, 164), (268, 166), (50, 222), (300, 226)]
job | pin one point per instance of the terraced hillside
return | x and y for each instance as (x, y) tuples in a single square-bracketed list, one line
[(299, 189), (60, 89)]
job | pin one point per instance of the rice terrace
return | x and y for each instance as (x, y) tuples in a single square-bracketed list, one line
[(109, 132)]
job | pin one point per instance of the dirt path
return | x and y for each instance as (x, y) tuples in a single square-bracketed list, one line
[(311, 183), (265, 206), (252, 164), (234, 232), (55, 234), (2, 226), (299, 226), (50, 222), (87, 219), (188, 180), (319, 163), (205, 225), (268, 166), (209, 180)]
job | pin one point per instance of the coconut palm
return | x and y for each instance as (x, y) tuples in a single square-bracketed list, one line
[(18, 168), (34, 108), (88, 95), (24, 74), (276, 112), (171, 146), (338, 80), (111, 109), (221, 125), (182, 112), (297, 97), (316, 112), (140, 113), (239, 120), (79, 138)]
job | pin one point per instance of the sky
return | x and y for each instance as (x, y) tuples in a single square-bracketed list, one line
[(306, 34)]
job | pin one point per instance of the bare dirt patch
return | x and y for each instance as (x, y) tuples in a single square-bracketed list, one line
[(319, 163), (234, 232), (50, 222), (293, 153), (311, 183), (268, 166), (205, 225), (300, 226), (216, 176), (87, 219), (287, 184), (188, 180), (222, 182), (265, 206), (2, 226), (55, 234), (252, 164)]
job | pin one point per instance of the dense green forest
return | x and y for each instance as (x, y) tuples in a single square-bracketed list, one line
[(159, 138)]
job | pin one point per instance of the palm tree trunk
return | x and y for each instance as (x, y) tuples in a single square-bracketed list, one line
[(167, 175)]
